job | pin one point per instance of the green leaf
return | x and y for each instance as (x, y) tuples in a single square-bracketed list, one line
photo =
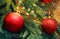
[(14, 6), (33, 36), (40, 12), (32, 26), (36, 27), (1, 20), (30, 29), (30, 1), (2, 36), (51, 36), (45, 36), (58, 29), (25, 34), (2, 2), (36, 8), (7, 6)]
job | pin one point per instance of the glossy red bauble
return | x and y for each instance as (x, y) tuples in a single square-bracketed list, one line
[(13, 22), (47, 1), (49, 25)]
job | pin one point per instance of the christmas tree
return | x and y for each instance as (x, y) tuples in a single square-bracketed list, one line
[(28, 19)]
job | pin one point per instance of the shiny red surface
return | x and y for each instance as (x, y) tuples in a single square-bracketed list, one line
[(47, 1), (13, 22), (49, 25)]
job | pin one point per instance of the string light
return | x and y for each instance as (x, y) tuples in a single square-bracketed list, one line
[(27, 13), (23, 7), (20, 1), (32, 11), (29, 9), (20, 9), (34, 4)]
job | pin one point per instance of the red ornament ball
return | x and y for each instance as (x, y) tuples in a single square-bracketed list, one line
[(47, 1), (49, 25), (13, 22)]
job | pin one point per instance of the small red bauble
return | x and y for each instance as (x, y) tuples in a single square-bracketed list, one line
[(49, 25), (47, 1), (13, 22)]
